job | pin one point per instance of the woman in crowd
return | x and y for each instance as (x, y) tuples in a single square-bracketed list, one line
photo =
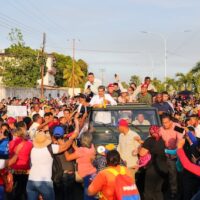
[(156, 168), (39, 181), (22, 166), (5, 163), (84, 157)]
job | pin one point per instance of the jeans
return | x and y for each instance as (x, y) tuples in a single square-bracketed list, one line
[(35, 188), (87, 181)]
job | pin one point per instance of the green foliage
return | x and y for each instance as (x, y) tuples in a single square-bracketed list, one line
[(135, 79), (124, 84), (63, 67), (68, 75), (159, 85), (60, 65), (22, 68), (16, 37), (184, 81)]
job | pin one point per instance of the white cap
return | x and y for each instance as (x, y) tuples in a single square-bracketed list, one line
[(101, 149)]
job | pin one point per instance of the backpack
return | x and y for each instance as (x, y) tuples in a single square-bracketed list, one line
[(125, 189), (4, 148), (57, 170)]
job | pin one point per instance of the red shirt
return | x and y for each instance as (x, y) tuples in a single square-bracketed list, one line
[(23, 161)]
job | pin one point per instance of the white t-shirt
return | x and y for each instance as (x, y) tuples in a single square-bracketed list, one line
[(93, 86), (99, 100), (41, 163), (32, 130), (41, 113)]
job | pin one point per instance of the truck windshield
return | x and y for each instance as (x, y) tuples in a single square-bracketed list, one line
[(139, 117)]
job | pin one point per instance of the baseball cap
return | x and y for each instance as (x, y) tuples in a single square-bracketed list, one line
[(123, 122), (11, 120), (144, 86), (58, 131), (110, 85), (101, 149)]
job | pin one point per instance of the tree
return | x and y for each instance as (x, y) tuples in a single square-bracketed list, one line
[(171, 84), (124, 84), (63, 67), (68, 77), (184, 80), (16, 37), (60, 65), (195, 71), (159, 85), (135, 79), (22, 66)]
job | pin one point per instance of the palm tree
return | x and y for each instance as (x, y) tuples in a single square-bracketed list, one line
[(159, 85), (184, 80), (68, 77), (171, 83), (196, 69)]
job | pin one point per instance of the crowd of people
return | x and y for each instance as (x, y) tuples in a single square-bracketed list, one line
[(50, 156)]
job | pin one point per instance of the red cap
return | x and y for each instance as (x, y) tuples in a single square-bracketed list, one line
[(110, 85), (123, 122), (11, 120), (144, 86)]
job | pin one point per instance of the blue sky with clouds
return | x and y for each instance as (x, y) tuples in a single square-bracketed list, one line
[(108, 32)]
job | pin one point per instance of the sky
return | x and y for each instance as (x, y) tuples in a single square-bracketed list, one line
[(108, 33)]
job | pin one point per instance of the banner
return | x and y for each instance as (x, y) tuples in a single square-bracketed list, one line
[(16, 111)]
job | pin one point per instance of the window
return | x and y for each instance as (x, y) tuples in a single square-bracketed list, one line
[(138, 117)]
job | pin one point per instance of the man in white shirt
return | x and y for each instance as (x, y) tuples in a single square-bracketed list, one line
[(37, 110), (128, 145), (92, 83), (102, 99), (140, 120), (37, 125)]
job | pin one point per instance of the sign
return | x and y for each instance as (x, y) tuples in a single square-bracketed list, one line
[(16, 111)]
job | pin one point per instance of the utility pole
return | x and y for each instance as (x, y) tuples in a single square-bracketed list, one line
[(73, 67), (42, 66)]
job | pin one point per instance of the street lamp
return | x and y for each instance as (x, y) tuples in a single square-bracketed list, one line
[(165, 48), (164, 38)]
